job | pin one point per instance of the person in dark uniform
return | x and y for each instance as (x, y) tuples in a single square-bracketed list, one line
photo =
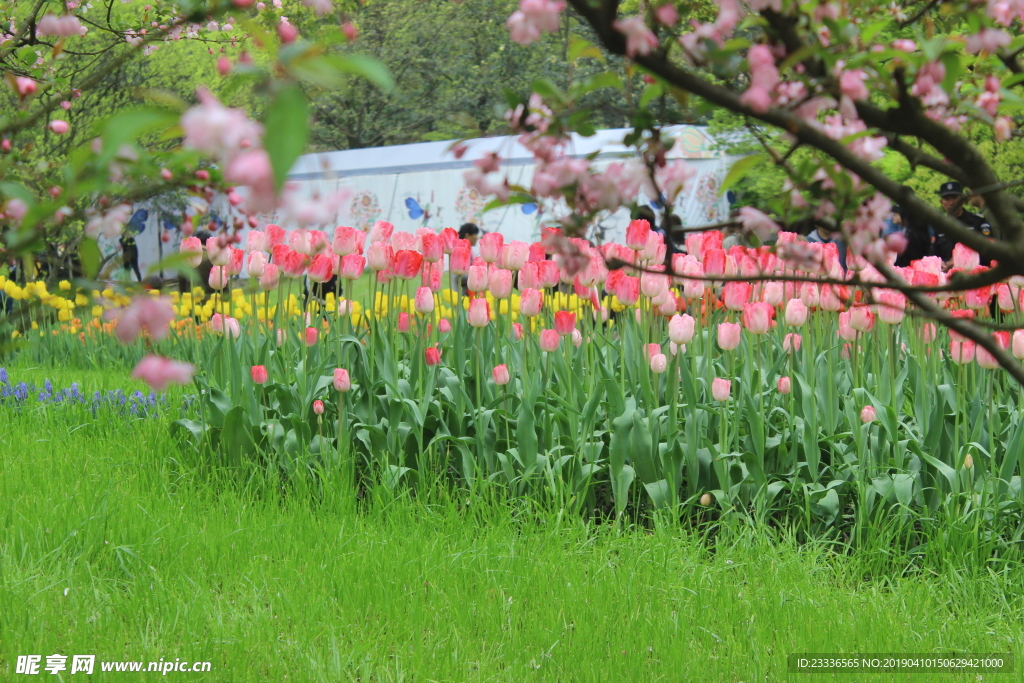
[(953, 200), (319, 290), (130, 255)]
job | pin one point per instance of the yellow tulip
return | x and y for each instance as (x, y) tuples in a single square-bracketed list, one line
[(65, 286)]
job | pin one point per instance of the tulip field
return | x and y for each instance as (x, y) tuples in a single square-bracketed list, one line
[(827, 426)]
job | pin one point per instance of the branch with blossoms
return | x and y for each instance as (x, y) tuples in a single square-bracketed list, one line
[(828, 81)]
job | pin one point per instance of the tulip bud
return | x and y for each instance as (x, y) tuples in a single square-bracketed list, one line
[(867, 414), (318, 407), (705, 500), (259, 374), (501, 376), (311, 336), (342, 382), (969, 462), (785, 386)]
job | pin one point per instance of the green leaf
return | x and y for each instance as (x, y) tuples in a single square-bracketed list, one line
[(129, 125), (89, 253), (287, 124), (369, 68), (740, 169), (512, 199), (651, 92), (607, 79), (578, 48), (546, 88)]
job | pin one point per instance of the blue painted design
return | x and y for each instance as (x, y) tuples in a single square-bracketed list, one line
[(529, 208), (414, 208)]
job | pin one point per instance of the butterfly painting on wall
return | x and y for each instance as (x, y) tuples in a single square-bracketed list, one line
[(529, 208)]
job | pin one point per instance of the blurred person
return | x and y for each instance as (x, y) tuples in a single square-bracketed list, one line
[(953, 199)]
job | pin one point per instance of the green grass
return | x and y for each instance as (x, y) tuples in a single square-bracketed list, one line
[(111, 545)]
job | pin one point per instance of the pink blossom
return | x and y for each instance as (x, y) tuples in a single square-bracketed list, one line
[(867, 414), (757, 98), (532, 18), (1003, 128), (757, 222), (145, 313), (640, 40), (321, 7), (66, 25), (110, 224), (25, 86), (729, 335), (904, 45), (667, 14), (673, 177), (59, 127), (214, 129), (987, 40), (158, 372), (851, 83)]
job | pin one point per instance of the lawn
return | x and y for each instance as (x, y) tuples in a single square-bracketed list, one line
[(113, 544)]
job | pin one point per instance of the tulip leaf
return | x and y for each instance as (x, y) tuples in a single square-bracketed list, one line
[(287, 123)]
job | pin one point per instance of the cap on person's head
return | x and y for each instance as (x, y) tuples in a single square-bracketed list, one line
[(645, 213), (951, 188)]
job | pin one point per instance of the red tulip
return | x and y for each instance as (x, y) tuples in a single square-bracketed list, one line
[(433, 356), (259, 374), (565, 323)]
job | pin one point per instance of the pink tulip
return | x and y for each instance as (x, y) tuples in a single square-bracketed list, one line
[(550, 275), (226, 325), (311, 336), (352, 267), (652, 349), (259, 374), (549, 340), (531, 302), (236, 262), (785, 386), (342, 383), (637, 233), (479, 313), (965, 258), (381, 232), (318, 407), (424, 302), (256, 240), (891, 307), (961, 352), (517, 331), (501, 376), (928, 333), (577, 338), (728, 336), (659, 363), (347, 241), (829, 299), (500, 283), (460, 258), (846, 331), (810, 294), (432, 356), (1017, 345), (791, 342), (681, 328), (378, 256), (491, 245), (565, 322), (477, 280), (271, 277), (433, 248), (257, 264), (985, 359), (772, 293), (796, 313), (735, 295), (322, 268), (403, 323), (145, 313), (158, 372), (628, 291), (194, 247), (861, 318), (445, 326), (514, 255), (219, 277), (757, 317), (867, 414), (721, 388), (407, 264), (653, 284), (218, 251)]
